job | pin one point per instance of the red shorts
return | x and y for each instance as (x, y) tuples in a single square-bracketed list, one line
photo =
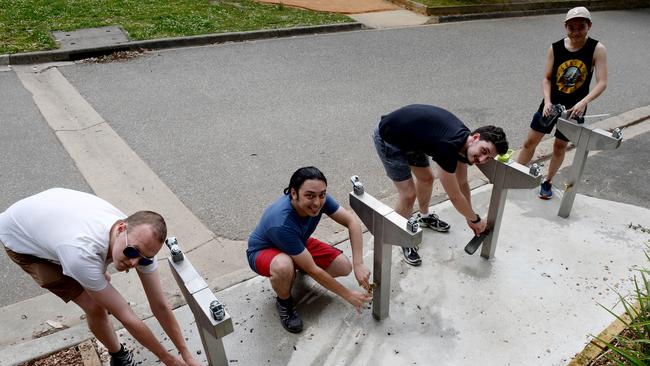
[(323, 254)]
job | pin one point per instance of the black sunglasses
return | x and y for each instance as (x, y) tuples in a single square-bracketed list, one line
[(133, 252)]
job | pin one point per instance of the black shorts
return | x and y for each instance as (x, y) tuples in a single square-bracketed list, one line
[(538, 126)]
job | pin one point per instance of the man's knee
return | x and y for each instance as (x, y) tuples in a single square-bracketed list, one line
[(425, 179), (282, 267), (340, 266), (530, 143), (559, 147), (407, 194)]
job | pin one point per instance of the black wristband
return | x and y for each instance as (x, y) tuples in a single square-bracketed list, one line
[(478, 219)]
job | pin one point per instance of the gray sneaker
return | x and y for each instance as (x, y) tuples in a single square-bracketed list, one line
[(411, 256), (433, 222)]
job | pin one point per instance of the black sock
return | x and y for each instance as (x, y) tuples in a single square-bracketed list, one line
[(121, 351), (285, 302)]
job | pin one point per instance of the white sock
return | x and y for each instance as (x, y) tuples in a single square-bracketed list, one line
[(425, 213)]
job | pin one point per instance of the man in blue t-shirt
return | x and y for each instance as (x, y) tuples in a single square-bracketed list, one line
[(282, 243), (406, 138)]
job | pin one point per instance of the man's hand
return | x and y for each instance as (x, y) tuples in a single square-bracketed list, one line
[(479, 227), (362, 274), (357, 299), (173, 361), (547, 109), (578, 110), (189, 360)]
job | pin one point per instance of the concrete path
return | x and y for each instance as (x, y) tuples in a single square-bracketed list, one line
[(338, 6), (535, 303), (390, 19)]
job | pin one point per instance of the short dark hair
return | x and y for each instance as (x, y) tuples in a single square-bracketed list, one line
[(494, 135), (301, 175), (157, 223)]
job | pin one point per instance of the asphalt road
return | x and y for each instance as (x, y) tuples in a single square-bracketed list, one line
[(224, 126)]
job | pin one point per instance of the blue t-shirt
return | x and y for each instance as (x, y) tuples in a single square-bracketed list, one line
[(282, 228)]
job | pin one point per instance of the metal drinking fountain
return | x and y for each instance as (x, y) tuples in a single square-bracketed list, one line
[(586, 138), (388, 228), (212, 319), (503, 176)]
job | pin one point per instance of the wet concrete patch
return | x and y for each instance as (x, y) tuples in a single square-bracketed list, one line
[(90, 37)]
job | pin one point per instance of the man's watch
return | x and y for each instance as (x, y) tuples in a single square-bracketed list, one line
[(478, 219)]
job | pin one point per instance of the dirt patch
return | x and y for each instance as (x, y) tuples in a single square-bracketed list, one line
[(68, 357), (114, 57), (604, 360)]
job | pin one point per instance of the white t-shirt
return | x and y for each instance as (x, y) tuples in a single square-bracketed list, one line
[(67, 227)]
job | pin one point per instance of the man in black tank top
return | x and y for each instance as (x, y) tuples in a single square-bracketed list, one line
[(571, 62)]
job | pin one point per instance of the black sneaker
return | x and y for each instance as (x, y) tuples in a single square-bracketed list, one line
[(411, 256), (123, 357), (288, 315), (433, 222)]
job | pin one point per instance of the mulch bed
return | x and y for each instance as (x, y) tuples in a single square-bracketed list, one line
[(67, 357)]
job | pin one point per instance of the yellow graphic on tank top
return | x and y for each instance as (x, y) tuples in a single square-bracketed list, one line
[(571, 75)]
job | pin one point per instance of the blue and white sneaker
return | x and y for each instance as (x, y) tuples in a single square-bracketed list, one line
[(546, 190)]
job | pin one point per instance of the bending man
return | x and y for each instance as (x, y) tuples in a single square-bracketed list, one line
[(406, 138), (65, 240)]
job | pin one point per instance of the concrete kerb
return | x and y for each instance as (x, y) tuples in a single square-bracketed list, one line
[(485, 11), (201, 40)]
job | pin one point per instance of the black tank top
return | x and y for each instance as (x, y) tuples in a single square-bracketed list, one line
[(572, 73)]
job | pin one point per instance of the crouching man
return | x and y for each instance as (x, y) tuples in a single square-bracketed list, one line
[(65, 240), (282, 243)]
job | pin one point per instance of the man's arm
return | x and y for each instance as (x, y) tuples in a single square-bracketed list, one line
[(600, 64), (458, 198), (111, 300), (305, 262), (546, 82), (349, 220), (163, 312), (461, 177)]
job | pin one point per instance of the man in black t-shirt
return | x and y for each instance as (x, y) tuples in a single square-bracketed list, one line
[(570, 64), (406, 137)]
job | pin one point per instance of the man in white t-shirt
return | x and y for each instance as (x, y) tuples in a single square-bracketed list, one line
[(65, 240)]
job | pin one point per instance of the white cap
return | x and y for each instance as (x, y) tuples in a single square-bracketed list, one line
[(578, 12)]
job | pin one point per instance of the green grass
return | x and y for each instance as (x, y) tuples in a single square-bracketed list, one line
[(25, 25)]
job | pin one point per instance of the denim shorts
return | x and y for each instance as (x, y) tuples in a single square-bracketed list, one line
[(397, 162)]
